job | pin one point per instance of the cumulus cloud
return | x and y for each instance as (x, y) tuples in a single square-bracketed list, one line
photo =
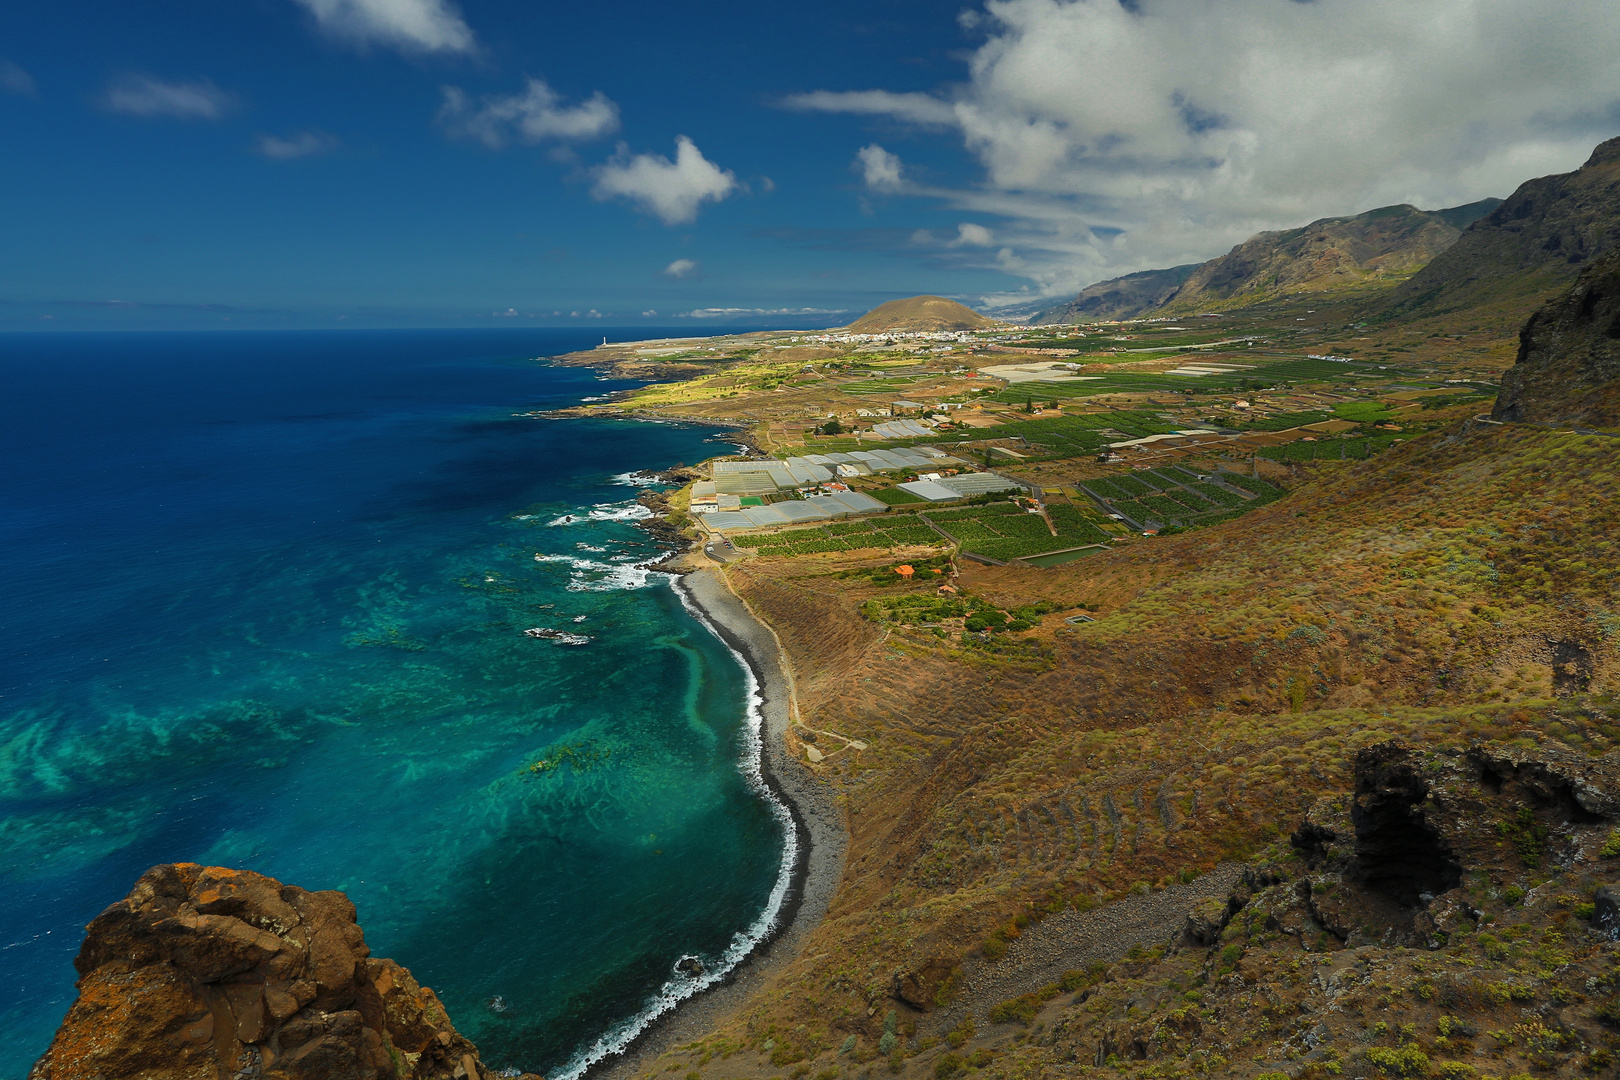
[(879, 168), (146, 96), (970, 235), (681, 268), (1115, 137), (417, 26), (15, 80), (535, 115), (671, 190), (300, 144)]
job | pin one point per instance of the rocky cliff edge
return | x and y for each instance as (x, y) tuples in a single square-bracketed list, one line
[(206, 973), (1568, 369)]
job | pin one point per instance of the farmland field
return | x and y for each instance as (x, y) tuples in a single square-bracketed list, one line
[(1172, 495), (888, 531), (1005, 531)]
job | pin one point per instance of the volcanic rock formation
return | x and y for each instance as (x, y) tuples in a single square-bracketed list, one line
[(205, 973), (1568, 370), (920, 313)]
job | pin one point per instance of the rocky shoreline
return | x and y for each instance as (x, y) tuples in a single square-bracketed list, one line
[(823, 836)]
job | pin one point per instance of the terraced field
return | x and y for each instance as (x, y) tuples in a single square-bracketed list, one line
[(1173, 496), (1006, 531)]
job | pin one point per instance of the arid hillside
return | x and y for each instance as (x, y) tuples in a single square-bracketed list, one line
[(1529, 248), (1458, 592), (1376, 248), (1121, 297)]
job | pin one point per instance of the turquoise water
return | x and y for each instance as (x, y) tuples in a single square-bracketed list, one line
[(264, 608)]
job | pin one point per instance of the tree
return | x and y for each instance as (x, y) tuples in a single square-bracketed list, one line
[(831, 427), (1029, 405)]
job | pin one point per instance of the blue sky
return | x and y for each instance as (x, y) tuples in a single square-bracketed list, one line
[(465, 162)]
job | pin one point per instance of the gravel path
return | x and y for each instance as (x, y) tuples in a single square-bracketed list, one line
[(1071, 939)]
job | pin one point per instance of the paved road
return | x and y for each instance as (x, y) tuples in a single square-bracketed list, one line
[(720, 550)]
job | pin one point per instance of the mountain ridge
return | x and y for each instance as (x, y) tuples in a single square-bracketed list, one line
[(1328, 255), (1531, 245)]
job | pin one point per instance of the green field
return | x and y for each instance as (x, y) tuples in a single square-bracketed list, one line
[(1268, 371), (1357, 449), (1173, 496), (888, 531), (1006, 531)]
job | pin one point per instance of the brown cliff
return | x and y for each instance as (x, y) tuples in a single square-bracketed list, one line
[(205, 973), (1568, 369), (1528, 248)]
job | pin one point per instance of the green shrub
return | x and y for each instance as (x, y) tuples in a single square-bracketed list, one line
[(1611, 846), (948, 1066), (1020, 1010), (1401, 1061), (961, 1033)]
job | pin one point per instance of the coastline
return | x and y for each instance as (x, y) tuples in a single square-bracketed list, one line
[(819, 822)]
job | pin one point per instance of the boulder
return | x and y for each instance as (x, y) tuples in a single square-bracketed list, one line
[(202, 972), (1606, 911), (919, 986)]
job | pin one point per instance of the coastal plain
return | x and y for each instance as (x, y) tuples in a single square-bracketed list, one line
[(1321, 782)]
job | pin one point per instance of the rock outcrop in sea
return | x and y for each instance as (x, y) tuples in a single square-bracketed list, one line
[(206, 973)]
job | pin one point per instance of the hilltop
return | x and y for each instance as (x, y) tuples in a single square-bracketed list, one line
[(1525, 250), (920, 313)]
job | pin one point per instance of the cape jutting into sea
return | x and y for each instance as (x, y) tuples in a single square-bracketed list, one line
[(263, 607)]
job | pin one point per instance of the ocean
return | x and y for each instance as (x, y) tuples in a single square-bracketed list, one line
[(262, 607)]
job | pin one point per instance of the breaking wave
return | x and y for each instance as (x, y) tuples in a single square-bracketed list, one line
[(606, 512), (680, 986), (589, 575)]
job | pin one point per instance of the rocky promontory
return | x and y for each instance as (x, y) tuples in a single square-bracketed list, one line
[(206, 973), (1568, 369)]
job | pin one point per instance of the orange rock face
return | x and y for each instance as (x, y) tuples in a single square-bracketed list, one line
[(205, 973)]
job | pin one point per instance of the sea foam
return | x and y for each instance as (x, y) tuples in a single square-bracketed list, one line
[(680, 986)]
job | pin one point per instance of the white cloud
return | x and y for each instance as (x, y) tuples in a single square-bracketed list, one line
[(913, 108), (648, 313), (535, 115), (729, 312), (143, 95), (970, 235), (1117, 137), (14, 80), (879, 168), (299, 144), (671, 190), (681, 268), (418, 26)]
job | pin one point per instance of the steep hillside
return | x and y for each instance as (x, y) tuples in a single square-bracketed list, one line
[(1032, 888), (1121, 297), (1378, 247), (920, 313), (1568, 370), (1528, 248)]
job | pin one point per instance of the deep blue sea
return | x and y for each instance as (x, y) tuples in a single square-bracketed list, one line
[(262, 605)]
